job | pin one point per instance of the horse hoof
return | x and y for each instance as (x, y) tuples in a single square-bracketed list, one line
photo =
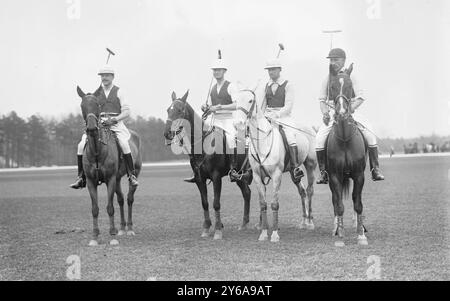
[(131, 233), (310, 226), (339, 244), (121, 233), (205, 234), (362, 240), (263, 236), (275, 237), (218, 235), (258, 227), (93, 243), (114, 242)]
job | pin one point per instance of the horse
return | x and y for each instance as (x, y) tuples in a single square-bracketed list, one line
[(211, 165), (268, 160), (102, 164), (346, 157)]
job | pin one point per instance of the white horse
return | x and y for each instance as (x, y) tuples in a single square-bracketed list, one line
[(267, 156)]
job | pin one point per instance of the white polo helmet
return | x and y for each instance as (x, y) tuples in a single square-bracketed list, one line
[(274, 63), (107, 69), (219, 64)]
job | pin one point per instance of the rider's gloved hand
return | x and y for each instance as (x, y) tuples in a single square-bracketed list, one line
[(110, 121), (326, 118)]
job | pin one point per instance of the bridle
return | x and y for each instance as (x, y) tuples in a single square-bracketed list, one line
[(346, 115)]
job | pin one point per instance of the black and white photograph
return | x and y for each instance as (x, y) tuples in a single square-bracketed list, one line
[(238, 143)]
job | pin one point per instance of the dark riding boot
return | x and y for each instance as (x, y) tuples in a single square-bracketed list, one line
[(130, 168), (321, 158), (193, 178), (233, 174), (296, 171), (81, 181), (373, 160)]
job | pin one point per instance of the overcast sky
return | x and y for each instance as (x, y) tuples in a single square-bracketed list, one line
[(400, 49)]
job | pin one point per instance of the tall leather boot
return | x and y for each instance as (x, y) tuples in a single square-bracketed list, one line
[(81, 180), (374, 168), (296, 171), (131, 171), (321, 158)]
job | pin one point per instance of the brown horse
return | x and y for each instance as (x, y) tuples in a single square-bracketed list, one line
[(102, 164), (346, 156), (207, 165)]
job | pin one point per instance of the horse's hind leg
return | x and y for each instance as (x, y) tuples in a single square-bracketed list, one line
[(130, 201), (92, 187), (358, 183), (111, 189), (247, 194), (275, 205), (310, 166), (120, 200), (263, 208), (302, 192)]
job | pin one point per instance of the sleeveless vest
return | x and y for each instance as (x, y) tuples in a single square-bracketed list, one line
[(221, 98), (276, 100), (110, 104)]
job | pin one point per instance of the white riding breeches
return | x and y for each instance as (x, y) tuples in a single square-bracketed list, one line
[(123, 136), (288, 120), (224, 121), (363, 125)]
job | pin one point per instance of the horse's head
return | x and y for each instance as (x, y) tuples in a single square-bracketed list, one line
[(246, 106), (90, 108), (176, 112), (341, 92)]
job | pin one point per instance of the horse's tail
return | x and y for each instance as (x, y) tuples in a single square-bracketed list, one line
[(346, 188)]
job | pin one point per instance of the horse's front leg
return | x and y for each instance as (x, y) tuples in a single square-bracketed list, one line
[(358, 183), (111, 189), (275, 205), (264, 225), (92, 187), (217, 183)]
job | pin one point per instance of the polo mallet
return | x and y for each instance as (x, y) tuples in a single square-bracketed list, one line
[(331, 33), (110, 52), (219, 56), (281, 48)]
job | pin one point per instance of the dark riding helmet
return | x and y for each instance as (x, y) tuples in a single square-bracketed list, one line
[(336, 53)]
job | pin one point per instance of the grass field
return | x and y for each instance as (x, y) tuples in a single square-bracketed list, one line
[(407, 217)]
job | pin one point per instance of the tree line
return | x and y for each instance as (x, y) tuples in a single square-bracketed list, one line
[(38, 141)]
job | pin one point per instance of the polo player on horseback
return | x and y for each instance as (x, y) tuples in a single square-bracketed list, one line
[(223, 104), (337, 58), (277, 106), (114, 110)]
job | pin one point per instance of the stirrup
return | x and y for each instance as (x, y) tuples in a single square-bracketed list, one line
[(298, 173), (133, 180), (234, 175)]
